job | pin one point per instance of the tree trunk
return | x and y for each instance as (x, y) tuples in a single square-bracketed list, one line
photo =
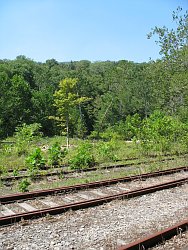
[(67, 129)]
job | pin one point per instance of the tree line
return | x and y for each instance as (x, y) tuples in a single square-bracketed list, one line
[(114, 90)]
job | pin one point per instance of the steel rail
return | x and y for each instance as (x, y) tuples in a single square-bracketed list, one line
[(165, 157), (5, 220), (66, 172), (27, 195), (157, 238)]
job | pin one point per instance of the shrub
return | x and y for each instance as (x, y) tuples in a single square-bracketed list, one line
[(28, 132), (107, 150), (15, 172), (125, 130), (24, 135), (129, 129), (35, 161), (83, 157), (159, 132), (23, 185), (109, 134), (94, 135), (56, 154), (3, 170)]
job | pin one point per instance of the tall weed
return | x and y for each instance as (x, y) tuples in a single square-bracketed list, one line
[(55, 154), (83, 158)]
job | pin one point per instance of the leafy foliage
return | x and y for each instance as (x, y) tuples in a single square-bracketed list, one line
[(130, 128), (171, 41), (65, 100), (3, 170), (24, 135), (56, 154), (159, 132), (106, 150), (35, 162), (15, 172), (83, 157), (102, 99), (23, 185)]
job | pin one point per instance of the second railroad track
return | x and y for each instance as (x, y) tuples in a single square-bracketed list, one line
[(17, 207)]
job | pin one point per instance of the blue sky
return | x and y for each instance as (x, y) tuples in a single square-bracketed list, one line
[(95, 30)]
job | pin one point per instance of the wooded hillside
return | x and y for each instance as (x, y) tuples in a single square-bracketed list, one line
[(114, 90)]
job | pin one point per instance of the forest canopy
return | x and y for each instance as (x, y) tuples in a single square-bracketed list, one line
[(114, 90)]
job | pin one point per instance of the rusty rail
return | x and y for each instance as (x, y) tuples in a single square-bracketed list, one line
[(28, 195), (66, 172), (5, 220), (156, 238)]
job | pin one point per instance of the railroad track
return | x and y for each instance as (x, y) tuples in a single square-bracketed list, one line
[(16, 207), (60, 171), (166, 157), (157, 238)]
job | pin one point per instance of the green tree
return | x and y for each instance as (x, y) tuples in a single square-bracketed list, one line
[(174, 40), (15, 103), (174, 49), (66, 99), (159, 132)]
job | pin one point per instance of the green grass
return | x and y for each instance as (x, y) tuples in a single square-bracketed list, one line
[(96, 175), (10, 159)]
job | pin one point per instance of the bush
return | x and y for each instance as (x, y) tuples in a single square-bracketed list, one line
[(28, 132), (23, 185), (15, 172), (109, 134), (159, 132), (3, 170), (129, 129), (56, 154), (94, 135), (35, 161), (24, 135), (83, 157), (107, 150), (125, 130)]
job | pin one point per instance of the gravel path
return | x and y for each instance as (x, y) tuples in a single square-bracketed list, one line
[(103, 227)]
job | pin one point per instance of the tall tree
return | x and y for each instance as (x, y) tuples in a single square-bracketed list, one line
[(172, 41), (65, 99), (174, 48)]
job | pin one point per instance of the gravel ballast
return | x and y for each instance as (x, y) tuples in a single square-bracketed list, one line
[(178, 242), (103, 227)]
